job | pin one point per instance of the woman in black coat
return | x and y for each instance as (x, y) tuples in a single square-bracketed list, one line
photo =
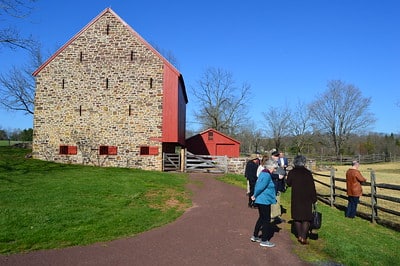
[(303, 196)]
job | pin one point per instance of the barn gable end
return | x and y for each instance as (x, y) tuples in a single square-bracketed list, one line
[(108, 98)]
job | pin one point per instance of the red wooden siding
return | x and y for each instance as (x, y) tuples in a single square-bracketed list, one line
[(213, 142), (174, 107)]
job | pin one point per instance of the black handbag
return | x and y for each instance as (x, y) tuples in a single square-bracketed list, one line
[(317, 218)]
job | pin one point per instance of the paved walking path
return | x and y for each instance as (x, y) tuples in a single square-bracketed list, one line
[(215, 231)]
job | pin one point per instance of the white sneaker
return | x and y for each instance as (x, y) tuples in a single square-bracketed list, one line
[(267, 244), (255, 239)]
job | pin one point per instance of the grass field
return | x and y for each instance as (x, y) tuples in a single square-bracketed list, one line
[(4, 143), (384, 172), (46, 205)]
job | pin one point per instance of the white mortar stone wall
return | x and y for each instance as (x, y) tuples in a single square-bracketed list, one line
[(74, 106)]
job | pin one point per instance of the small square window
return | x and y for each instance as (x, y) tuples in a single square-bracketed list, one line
[(144, 150), (210, 135), (63, 149)]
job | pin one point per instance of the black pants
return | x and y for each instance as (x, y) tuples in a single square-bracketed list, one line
[(264, 222), (252, 186)]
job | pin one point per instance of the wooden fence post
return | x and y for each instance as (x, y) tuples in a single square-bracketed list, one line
[(226, 164), (183, 160), (332, 186), (374, 200)]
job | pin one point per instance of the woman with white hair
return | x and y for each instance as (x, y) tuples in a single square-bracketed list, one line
[(303, 196), (264, 196)]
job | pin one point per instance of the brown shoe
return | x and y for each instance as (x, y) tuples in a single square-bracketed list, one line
[(302, 241)]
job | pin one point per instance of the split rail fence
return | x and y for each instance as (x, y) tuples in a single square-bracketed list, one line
[(383, 206)]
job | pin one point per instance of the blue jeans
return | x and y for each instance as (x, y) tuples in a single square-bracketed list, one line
[(352, 206)]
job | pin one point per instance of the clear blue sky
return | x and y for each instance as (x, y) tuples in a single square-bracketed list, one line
[(285, 49)]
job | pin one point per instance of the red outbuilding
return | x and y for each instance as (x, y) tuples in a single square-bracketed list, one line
[(213, 142)]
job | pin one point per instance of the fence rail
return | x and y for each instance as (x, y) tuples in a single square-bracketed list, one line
[(206, 163), (171, 162), (388, 214)]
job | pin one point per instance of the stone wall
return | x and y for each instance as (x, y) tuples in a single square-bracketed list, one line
[(237, 165), (103, 88)]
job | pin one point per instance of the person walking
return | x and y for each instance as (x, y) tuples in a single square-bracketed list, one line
[(354, 178), (304, 195), (264, 196)]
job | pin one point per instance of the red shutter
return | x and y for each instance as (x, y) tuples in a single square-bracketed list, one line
[(72, 150), (153, 151), (112, 150)]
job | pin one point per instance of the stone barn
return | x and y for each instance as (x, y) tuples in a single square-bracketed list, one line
[(108, 98)]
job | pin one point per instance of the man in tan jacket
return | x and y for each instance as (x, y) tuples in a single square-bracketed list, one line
[(354, 179)]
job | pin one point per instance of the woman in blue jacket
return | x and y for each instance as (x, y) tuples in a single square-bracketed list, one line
[(264, 196)]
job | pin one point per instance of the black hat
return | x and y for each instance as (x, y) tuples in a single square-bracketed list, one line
[(275, 153)]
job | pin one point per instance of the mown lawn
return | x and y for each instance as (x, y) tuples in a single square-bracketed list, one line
[(46, 205)]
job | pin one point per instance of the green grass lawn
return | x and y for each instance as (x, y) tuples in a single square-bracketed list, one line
[(46, 205), (340, 240)]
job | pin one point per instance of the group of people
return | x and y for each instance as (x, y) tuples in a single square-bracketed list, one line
[(267, 178)]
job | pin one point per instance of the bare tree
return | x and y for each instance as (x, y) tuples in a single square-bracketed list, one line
[(222, 105), (14, 9), (340, 111), (250, 138), (17, 87), (167, 54), (300, 126), (277, 124)]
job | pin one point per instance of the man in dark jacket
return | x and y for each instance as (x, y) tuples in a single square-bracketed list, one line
[(250, 173), (278, 176)]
